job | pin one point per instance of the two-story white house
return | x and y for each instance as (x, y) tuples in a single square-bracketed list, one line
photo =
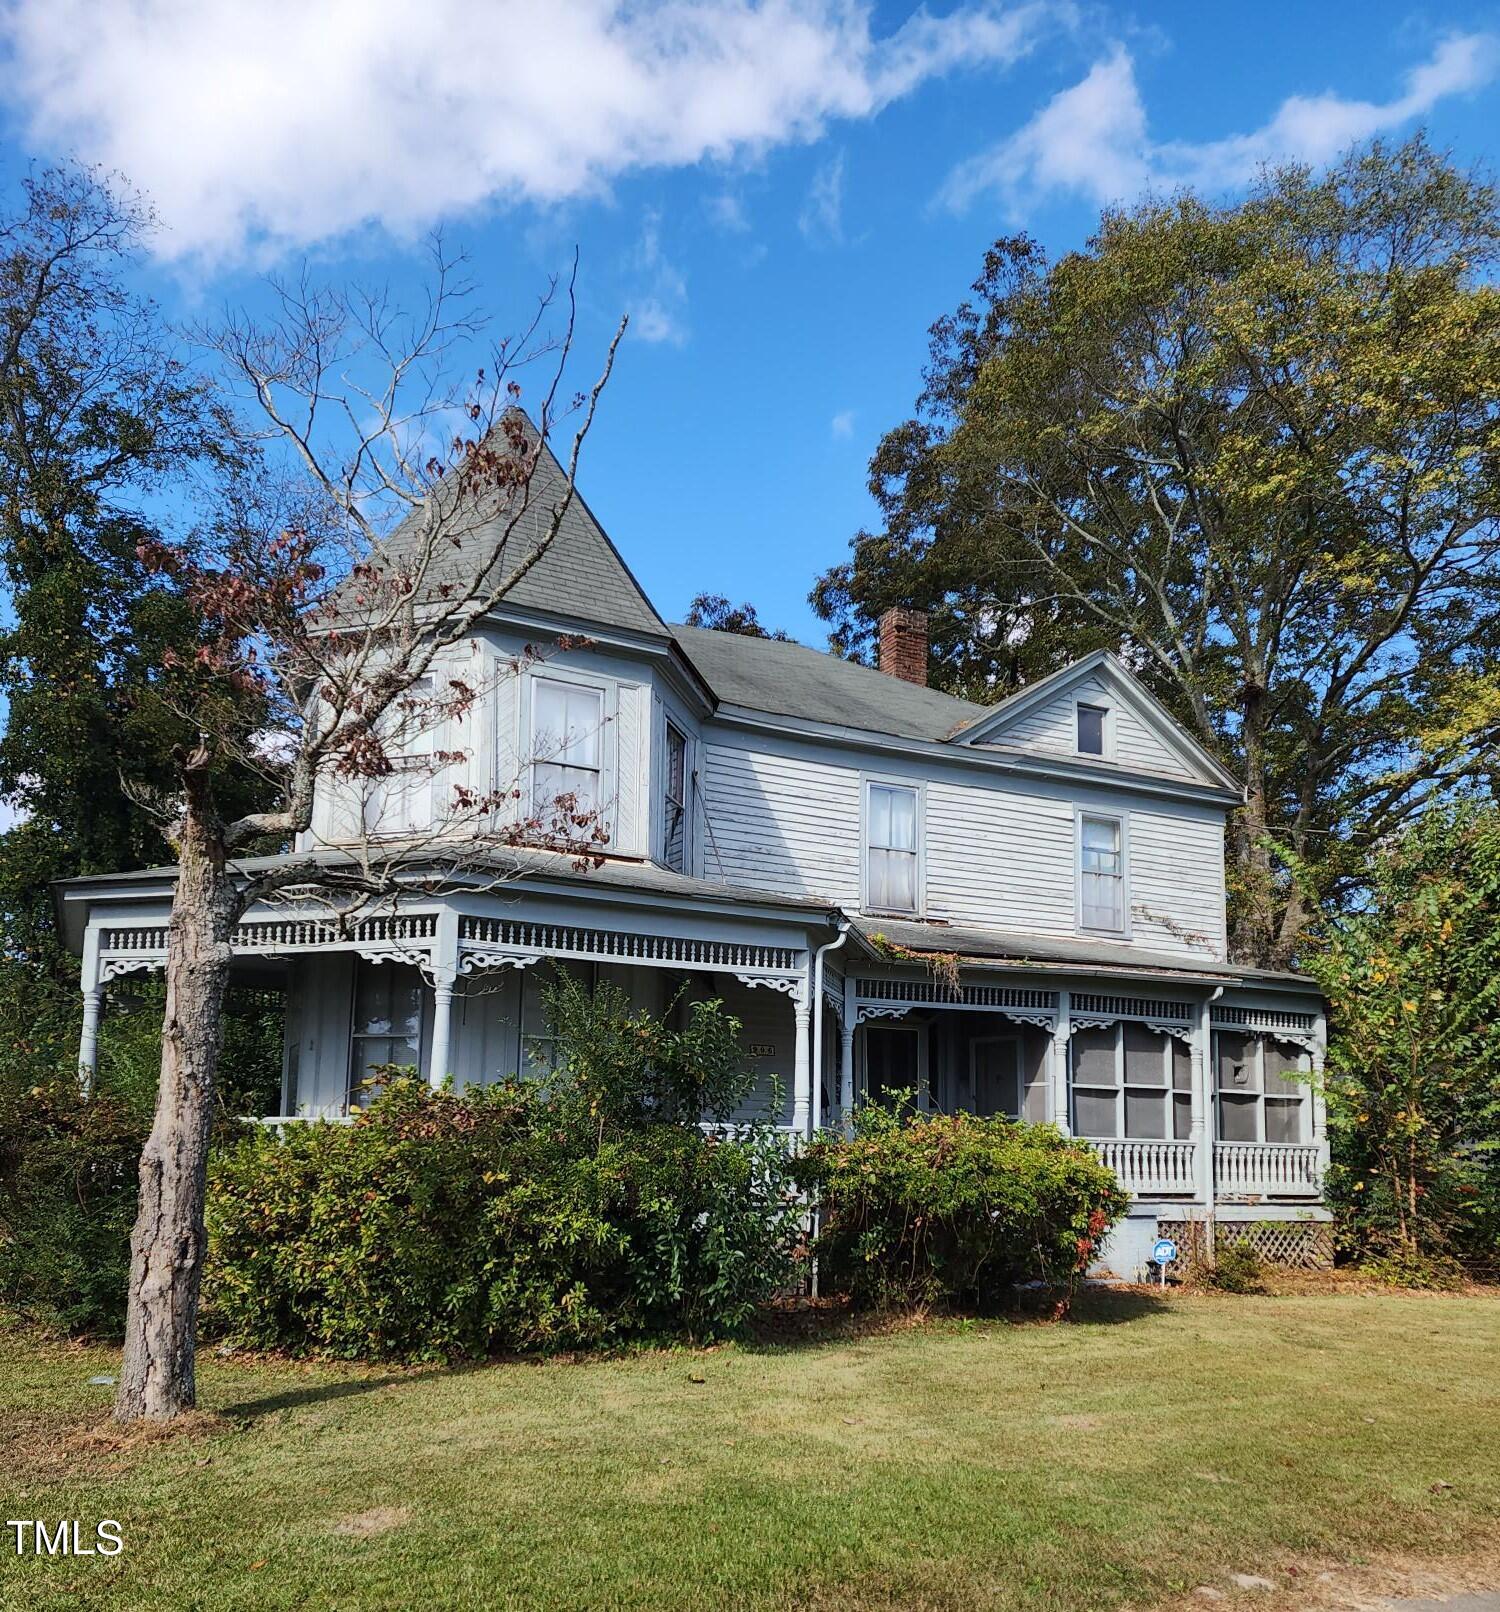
[(1016, 908)]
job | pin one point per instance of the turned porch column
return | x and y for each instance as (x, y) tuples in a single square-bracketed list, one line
[(1319, 1104), (802, 1062), (1058, 1082), (444, 979), (93, 1011), (847, 1027), (1201, 1127)]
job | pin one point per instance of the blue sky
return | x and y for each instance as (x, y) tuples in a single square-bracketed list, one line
[(783, 195)]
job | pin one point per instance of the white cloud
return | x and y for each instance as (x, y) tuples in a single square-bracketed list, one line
[(822, 215), (842, 424), (1092, 139), (727, 212), (658, 312), (267, 124)]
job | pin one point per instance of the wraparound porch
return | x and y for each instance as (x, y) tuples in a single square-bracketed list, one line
[(1196, 1092)]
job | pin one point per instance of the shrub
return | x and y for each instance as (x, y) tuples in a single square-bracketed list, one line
[(920, 1210), (1404, 1268), (1236, 1268), (68, 1170), (439, 1225)]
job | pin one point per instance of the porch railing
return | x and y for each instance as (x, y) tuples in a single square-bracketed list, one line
[(1149, 1166), (1266, 1170)]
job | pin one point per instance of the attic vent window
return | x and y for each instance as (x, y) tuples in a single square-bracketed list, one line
[(1091, 730)]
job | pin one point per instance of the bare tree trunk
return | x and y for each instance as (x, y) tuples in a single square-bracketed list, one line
[(1253, 936), (167, 1247)]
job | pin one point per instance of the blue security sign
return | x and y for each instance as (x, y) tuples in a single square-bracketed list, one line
[(1165, 1251)]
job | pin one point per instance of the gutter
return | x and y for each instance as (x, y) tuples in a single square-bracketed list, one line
[(816, 1061)]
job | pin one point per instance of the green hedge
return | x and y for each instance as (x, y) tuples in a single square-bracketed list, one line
[(437, 1226), (955, 1209)]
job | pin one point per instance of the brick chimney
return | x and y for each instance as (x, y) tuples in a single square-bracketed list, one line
[(903, 644)]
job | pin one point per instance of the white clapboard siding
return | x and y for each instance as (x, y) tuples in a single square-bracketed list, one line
[(999, 858), (1052, 730), (781, 823), (1177, 880), (996, 855)]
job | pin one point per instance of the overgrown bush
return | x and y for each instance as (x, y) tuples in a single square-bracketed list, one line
[(1413, 1083), (956, 1209), (69, 1165), (67, 1202), (439, 1225)]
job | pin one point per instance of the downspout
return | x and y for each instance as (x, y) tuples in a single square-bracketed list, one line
[(816, 1062), (1210, 1123), (817, 1021)]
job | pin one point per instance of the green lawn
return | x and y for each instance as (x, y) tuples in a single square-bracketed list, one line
[(1111, 1460)]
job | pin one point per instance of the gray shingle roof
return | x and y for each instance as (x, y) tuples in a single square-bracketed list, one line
[(998, 946), (764, 674), (581, 575)]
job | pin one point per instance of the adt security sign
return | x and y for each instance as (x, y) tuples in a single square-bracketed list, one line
[(1164, 1253)]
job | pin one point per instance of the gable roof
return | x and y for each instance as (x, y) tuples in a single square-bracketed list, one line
[(581, 576), (765, 674), (998, 720)]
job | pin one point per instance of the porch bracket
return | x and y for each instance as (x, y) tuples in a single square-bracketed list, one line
[(469, 961), (422, 961), (112, 967), (795, 986), (865, 1011)]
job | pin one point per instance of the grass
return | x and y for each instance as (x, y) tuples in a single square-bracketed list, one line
[(1119, 1459)]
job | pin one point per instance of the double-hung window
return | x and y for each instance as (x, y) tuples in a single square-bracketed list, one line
[(1101, 873), (398, 801), (674, 801), (892, 859), (387, 1023), (567, 749)]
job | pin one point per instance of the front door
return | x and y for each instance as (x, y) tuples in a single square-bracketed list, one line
[(995, 1075)]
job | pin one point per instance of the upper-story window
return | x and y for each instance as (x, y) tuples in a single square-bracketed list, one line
[(1262, 1090), (567, 746), (891, 847), (674, 801), (1101, 872), (1091, 720), (399, 800)]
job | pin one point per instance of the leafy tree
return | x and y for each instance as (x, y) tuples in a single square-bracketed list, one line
[(1413, 1080), (1252, 448), (714, 611), (97, 411)]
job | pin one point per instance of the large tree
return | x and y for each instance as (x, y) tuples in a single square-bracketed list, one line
[(98, 411), (1253, 448)]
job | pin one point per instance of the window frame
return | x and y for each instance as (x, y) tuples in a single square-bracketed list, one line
[(386, 972), (1301, 1102), (1167, 1090), (918, 790), (1106, 750), (608, 694), (411, 768), (670, 727), (1121, 820)]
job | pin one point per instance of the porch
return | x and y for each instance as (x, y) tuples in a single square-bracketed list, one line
[(1202, 1099), (1198, 1088)]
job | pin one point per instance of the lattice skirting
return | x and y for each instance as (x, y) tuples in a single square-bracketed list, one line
[(1298, 1244)]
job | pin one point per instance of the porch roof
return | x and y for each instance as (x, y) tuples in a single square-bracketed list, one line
[(527, 870), (994, 948)]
